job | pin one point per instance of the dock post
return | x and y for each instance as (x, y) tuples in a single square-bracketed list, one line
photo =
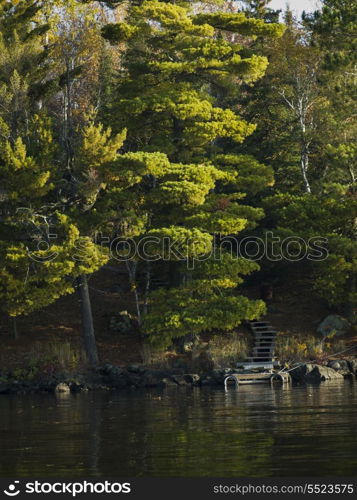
[(231, 377)]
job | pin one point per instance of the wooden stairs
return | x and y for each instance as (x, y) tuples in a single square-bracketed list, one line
[(264, 343)]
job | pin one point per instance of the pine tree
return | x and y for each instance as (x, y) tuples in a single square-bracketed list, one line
[(176, 64), (260, 9), (24, 62), (169, 76), (334, 27)]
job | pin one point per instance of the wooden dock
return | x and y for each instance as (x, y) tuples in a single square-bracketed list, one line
[(257, 378), (249, 378), (259, 367)]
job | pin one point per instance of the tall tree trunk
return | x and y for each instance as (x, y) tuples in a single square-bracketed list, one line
[(147, 288), (87, 321), (350, 305), (304, 152), (304, 160), (14, 328), (134, 286)]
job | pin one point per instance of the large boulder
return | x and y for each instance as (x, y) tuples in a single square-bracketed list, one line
[(333, 324), (153, 378), (311, 372), (77, 383), (340, 365), (137, 369), (115, 377), (62, 388)]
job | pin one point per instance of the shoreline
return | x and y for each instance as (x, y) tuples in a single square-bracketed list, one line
[(110, 377)]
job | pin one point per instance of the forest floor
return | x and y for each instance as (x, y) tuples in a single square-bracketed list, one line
[(296, 312)]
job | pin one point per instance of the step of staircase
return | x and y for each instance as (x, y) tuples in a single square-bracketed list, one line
[(251, 365), (264, 338), (266, 346), (263, 330), (264, 335), (259, 360)]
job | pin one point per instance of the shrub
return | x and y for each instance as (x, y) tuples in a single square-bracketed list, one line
[(305, 347), (227, 350)]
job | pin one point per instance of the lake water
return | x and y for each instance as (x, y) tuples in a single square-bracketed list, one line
[(255, 431)]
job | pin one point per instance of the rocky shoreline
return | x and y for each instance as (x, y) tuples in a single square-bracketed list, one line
[(110, 377)]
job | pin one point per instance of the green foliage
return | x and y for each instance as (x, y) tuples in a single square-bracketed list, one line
[(330, 215), (239, 23), (25, 176), (42, 250), (335, 28), (252, 176), (196, 309), (31, 279), (176, 63), (260, 10), (207, 302), (123, 323), (172, 59), (24, 63)]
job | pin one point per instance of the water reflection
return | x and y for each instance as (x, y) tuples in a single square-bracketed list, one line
[(253, 431)]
